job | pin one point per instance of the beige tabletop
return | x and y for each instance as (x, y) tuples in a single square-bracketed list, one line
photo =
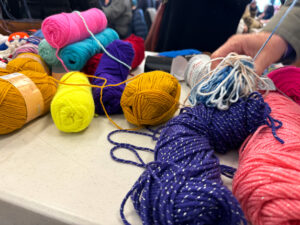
[(54, 178)]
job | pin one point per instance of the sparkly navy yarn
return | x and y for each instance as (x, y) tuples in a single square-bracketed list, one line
[(183, 185)]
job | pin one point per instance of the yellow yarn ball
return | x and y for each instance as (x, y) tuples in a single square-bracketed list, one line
[(151, 99), (73, 107)]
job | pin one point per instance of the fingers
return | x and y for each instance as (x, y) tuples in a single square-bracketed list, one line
[(270, 54), (234, 44)]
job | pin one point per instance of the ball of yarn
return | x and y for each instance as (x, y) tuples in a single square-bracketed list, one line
[(67, 28), (92, 64), (76, 55), (114, 73), (183, 185), (26, 48), (139, 49), (13, 110), (287, 80), (21, 35), (267, 181), (73, 108), (151, 99), (27, 61), (48, 53)]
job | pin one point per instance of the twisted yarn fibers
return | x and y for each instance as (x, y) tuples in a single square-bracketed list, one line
[(232, 79), (13, 110), (114, 72), (47, 52), (26, 48), (67, 28), (76, 55), (183, 185), (267, 181), (151, 99), (287, 79), (73, 108)]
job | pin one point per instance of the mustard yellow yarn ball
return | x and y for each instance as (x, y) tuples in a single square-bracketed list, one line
[(72, 107), (151, 99)]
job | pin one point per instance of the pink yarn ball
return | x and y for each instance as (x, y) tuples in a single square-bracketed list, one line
[(66, 28), (287, 79), (267, 181)]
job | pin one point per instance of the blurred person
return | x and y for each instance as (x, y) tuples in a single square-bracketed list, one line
[(267, 13), (284, 46), (119, 15), (202, 25)]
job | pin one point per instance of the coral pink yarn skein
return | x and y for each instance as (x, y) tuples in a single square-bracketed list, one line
[(287, 79), (267, 181), (66, 28)]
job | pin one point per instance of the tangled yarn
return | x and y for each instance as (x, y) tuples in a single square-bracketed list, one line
[(267, 181), (114, 73), (287, 80), (72, 107), (13, 109), (232, 79), (76, 55), (183, 185), (151, 99), (66, 28)]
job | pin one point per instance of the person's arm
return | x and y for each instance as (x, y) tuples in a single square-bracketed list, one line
[(289, 30), (287, 34), (114, 9)]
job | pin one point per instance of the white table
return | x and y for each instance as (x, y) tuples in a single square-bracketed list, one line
[(52, 178)]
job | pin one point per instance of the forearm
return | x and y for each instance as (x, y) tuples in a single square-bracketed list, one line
[(289, 30)]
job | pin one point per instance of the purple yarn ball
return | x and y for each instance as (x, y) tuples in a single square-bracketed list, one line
[(114, 72)]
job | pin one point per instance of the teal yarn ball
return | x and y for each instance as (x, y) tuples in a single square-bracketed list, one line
[(76, 55), (47, 52)]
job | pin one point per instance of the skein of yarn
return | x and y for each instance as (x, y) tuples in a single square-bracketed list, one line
[(139, 49), (23, 97), (76, 55), (114, 72), (92, 64), (198, 66), (232, 79), (26, 48), (67, 28), (267, 181), (47, 52), (27, 61), (72, 107), (287, 80), (139, 54), (183, 185), (151, 99)]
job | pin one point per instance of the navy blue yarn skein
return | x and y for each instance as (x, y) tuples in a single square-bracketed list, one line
[(183, 185), (114, 72)]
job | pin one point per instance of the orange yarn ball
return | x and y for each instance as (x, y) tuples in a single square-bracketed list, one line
[(151, 99), (13, 109), (27, 61), (20, 34)]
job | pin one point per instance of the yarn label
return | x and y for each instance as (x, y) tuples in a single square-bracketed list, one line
[(32, 95), (36, 58)]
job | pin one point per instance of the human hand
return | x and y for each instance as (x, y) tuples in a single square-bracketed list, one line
[(249, 44)]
